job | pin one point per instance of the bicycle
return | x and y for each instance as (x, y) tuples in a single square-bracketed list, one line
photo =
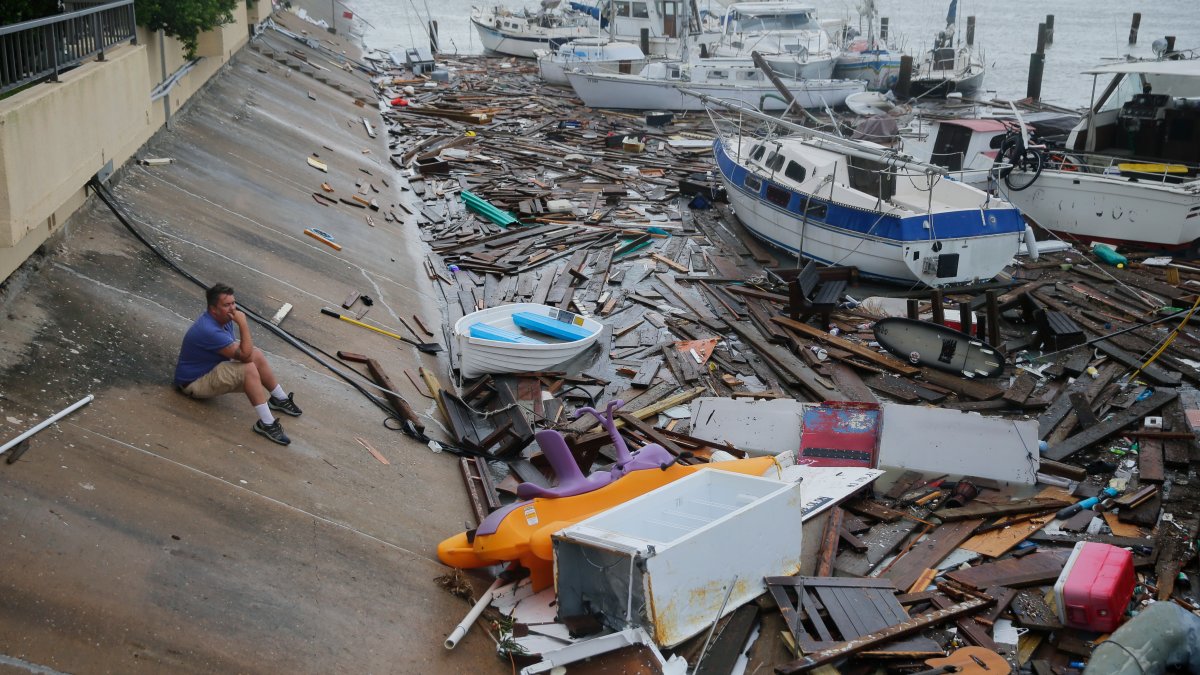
[(1019, 161)]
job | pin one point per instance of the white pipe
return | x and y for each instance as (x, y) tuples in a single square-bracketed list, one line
[(463, 626), (47, 422)]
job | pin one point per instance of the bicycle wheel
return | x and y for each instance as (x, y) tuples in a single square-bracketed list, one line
[(1025, 170), (1006, 157)]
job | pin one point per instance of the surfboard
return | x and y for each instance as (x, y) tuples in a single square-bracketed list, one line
[(929, 344)]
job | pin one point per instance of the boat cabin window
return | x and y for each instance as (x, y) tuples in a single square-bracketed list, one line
[(772, 23), (624, 9), (718, 75), (775, 161), (871, 177), (758, 152), (778, 196), (795, 172), (641, 10), (752, 75), (751, 181), (673, 72)]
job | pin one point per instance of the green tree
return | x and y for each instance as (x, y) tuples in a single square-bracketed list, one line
[(16, 11), (185, 19)]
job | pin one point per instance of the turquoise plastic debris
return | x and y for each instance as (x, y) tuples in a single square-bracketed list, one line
[(547, 326), (487, 210), (485, 332), (1110, 256)]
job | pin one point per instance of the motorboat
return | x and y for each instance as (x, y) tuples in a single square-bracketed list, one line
[(658, 86), (1133, 174), (952, 66), (522, 337), (850, 202), (521, 32), (787, 33), (595, 54)]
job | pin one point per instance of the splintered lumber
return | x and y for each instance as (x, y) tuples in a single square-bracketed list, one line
[(881, 540), (979, 509), (871, 355), (1030, 570), (913, 625), (871, 509), (928, 552), (790, 369), (653, 409), (829, 542), (1111, 426), (1006, 534), (980, 391), (381, 378), (371, 449)]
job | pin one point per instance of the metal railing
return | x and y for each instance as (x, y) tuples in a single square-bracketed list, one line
[(37, 50)]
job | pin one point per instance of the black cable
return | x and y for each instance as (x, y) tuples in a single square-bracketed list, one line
[(304, 346)]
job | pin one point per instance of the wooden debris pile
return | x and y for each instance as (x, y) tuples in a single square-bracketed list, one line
[(524, 196)]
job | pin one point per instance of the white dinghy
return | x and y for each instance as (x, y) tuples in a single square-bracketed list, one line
[(521, 338)]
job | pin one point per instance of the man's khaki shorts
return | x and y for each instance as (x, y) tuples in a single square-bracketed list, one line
[(225, 378)]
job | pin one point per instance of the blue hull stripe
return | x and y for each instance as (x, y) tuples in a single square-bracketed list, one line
[(893, 229)]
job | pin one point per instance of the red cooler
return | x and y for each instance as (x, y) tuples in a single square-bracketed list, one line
[(1094, 587)]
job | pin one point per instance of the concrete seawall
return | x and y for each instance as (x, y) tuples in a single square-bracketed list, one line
[(149, 532)]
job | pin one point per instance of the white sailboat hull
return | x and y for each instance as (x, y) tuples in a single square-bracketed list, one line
[(524, 43), (634, 92), (875, 257)]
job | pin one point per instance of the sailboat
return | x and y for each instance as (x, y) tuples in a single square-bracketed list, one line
[(844, 202), (868, 58), (948, 67), (658, 86), (519, 33)]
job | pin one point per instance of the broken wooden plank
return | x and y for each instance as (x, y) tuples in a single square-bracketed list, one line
[(979, 509), (929, 552), (1111, 426), (867, 353)]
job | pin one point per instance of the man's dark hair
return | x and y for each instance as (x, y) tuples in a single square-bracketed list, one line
[(214, 294)]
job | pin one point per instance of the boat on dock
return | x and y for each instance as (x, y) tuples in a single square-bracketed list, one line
[(521, 338), (844, 202), (521, 32), (1134, 170)]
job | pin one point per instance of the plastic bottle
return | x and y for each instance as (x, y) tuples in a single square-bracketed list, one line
[(1110, 256)]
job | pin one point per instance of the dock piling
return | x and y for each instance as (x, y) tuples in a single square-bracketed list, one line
[(883, 29), (904, 81), (1049, 29), (970, 30), (1037, 63), (1133, 27), (939, 309)]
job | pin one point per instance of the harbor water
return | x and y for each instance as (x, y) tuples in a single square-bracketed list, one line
[(1086, 32)]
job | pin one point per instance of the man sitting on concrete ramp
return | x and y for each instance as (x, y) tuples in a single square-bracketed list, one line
[(213, 362)]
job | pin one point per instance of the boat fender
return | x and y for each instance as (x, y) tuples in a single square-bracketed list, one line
[(1031, 246)]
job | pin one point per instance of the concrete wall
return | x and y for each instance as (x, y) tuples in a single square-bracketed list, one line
[(56, 135)]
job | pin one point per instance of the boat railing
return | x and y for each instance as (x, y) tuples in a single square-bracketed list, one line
[(1149, 171)]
